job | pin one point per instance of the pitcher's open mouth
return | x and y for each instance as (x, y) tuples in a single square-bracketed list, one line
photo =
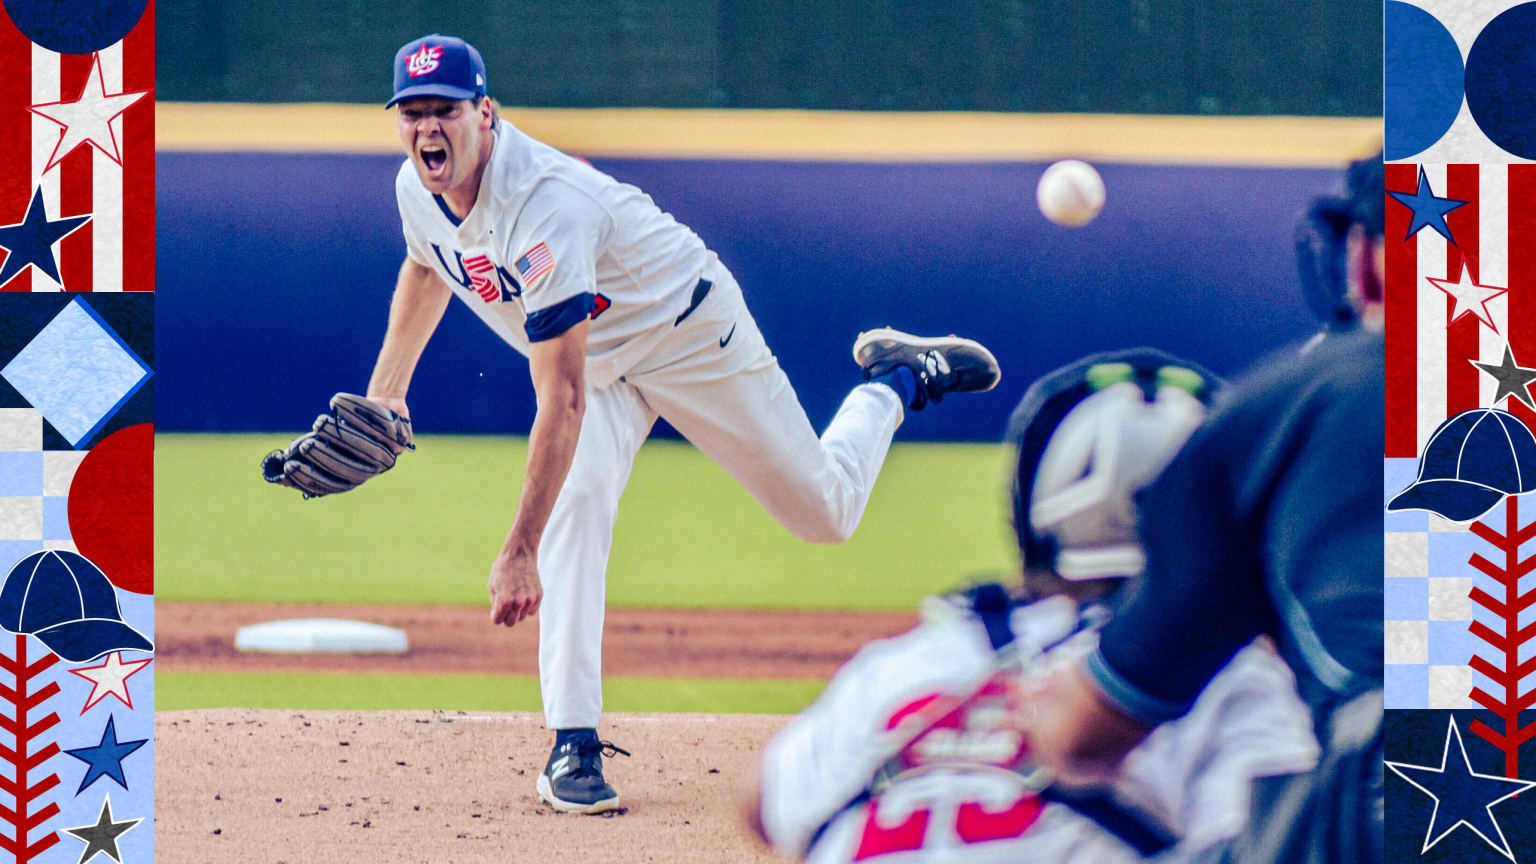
[(434, 158)]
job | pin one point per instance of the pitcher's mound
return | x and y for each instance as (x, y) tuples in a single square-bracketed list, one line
[(436, 787)]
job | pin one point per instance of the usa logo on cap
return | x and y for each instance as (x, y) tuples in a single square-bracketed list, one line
[(1470, 463), (440, 66), (423, 62)]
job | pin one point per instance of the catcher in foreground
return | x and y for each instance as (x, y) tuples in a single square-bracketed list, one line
[(914, 751), (357, 439)]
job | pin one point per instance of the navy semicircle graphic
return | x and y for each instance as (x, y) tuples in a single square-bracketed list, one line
[(1500, 68), (76, 26)]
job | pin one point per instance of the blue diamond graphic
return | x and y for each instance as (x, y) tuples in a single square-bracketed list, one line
[(77, 372)]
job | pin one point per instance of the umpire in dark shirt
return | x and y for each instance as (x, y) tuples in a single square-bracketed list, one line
[(1269, 522)]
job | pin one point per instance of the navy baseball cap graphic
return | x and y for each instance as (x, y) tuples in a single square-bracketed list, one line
[(1470, 463), (66, 601), (438, 65)]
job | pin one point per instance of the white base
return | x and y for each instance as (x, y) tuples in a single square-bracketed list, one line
[(547, 796), (320, 635)]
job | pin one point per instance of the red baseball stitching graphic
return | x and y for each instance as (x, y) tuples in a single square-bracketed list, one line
[(24, 735), (1508, 643)]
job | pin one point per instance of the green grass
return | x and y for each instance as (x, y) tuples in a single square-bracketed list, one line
[(687, 534), (324, 692)]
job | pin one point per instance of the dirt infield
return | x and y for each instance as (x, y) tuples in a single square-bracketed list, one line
[(286, 787), (289, 787), (707, 643)]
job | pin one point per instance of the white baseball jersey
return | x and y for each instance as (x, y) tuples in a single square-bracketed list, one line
[(957, 790), (550, 240), (546, 229)]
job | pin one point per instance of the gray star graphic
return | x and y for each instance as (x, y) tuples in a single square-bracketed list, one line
[(1512, 379), (102, 837)]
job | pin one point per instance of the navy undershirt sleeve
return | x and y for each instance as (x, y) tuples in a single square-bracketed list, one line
[(1201, 598), (548, 323)]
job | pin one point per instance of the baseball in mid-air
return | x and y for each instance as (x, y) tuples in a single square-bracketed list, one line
[(1070, 193)]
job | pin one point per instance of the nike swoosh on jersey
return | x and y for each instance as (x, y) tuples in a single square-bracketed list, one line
[(728, 336)]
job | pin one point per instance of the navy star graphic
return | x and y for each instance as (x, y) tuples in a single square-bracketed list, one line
[(1462, 796), (31, 240), (1427, 209), (106, 758)]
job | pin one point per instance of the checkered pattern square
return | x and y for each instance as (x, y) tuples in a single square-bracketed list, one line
[(1427, 606), (21, 485), (1433, 650), (34, 488)]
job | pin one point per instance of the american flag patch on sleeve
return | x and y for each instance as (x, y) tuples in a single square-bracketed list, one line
[(534, 263)]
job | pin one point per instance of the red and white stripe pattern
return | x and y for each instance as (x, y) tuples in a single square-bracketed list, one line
[(114, 251), (1429, 371), (481, 272)]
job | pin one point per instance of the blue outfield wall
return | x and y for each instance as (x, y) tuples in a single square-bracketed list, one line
[(275, 271)]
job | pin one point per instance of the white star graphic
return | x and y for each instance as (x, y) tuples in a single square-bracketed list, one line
[(88, 118), (1471, 298), (111, 677), (1502, 847)]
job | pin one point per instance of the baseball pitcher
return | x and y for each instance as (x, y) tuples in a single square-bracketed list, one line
[(624, 316)]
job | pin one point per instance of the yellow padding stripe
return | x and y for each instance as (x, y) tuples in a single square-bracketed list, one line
[(802, 135)]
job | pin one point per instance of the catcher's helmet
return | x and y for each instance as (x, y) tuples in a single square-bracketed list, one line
[(1088, 437)]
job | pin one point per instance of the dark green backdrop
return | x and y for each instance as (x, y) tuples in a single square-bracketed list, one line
[(1320, 57)]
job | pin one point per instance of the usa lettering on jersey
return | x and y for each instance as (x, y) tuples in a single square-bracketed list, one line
[(480, 271)]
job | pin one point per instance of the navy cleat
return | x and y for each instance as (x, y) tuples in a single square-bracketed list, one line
[(573, 782), (940, 365)]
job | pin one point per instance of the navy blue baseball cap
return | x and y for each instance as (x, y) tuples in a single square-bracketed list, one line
[(438, 65), (1470, 463), (66, 601)]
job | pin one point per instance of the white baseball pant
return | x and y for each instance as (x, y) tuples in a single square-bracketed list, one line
[(737, 406)]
